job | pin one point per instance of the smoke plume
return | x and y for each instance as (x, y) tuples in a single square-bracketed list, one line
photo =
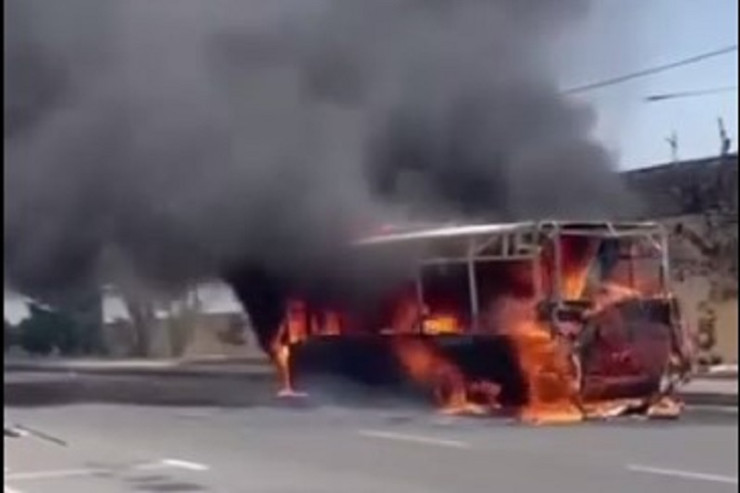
[(199, 137)]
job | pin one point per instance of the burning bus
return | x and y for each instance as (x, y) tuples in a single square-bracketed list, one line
[(547, 320)]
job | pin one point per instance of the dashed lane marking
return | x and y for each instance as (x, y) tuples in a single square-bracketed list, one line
[(184, 464), (66, 473), (418, 439), (679, 473)]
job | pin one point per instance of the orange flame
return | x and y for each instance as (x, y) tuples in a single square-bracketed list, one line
[(426, 366), (545, 363), (610, 294), (281, 357), (442, 324), (332, 324), (578, 253), (406, 315), (293, 329)]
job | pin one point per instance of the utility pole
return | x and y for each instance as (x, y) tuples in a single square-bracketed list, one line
[(673, 143), (725, 140)]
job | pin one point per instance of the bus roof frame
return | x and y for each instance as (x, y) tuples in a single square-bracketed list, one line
[(584, 228), (520, 241)]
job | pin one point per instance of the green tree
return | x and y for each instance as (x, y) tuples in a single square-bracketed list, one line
[(46, 329), (9, 335)]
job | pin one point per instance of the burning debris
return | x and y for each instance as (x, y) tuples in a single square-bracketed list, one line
[(546, 362), (427, 366), (541, 324)]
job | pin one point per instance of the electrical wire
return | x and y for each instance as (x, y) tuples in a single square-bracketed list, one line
[(651, 71), (688, 94)]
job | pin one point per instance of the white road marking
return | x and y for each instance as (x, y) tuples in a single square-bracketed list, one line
[(414, 438), (8, 489), (66, 473), (678, 473), (184, 464)]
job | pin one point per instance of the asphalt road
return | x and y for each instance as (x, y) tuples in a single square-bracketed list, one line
[(136, 444)]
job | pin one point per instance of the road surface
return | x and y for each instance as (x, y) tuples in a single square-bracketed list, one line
[(120, 445)]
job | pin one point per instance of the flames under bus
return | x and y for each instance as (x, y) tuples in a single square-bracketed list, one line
[(554, 318)]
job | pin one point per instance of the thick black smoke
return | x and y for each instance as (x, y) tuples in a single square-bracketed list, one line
[(199, 137)]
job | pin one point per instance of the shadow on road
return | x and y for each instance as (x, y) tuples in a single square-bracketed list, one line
[(54, 390), (36, 390), (157, 484)]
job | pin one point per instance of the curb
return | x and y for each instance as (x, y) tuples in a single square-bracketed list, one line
[(255, 371), (709, 399), (718, 376)]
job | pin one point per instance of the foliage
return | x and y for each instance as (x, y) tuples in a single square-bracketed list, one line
[(9, 336), (46, 330)]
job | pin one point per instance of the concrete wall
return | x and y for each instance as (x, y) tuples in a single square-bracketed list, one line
[(706, 284), (714, 321), (223, 335), (219, 328)]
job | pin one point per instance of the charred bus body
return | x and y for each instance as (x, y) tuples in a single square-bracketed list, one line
[(538, 315)]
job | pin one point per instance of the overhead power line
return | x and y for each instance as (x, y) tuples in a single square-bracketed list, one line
[(651, 71), (688, 94)]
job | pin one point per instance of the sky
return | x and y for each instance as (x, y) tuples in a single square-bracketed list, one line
[(623, 36)]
